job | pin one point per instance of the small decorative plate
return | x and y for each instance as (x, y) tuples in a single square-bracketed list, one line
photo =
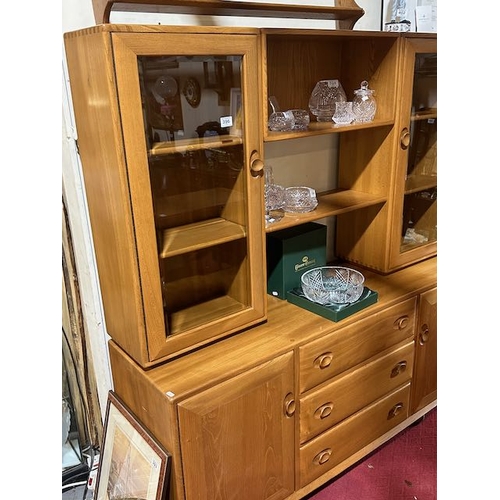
[(192, 92)]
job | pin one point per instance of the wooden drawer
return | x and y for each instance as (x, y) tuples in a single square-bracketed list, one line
[(324, 407), (326, 357), (335, 445)]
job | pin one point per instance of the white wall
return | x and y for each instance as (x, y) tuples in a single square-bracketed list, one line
[(78, 14)]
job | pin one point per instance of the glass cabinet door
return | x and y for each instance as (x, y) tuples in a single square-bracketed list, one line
[(417, 238), (196, 199)]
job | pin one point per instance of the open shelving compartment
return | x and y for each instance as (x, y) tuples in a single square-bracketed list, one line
[(293, 61)]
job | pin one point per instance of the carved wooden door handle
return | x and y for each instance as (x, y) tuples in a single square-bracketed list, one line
[(405, 138), (289, 405), (256, 163), (424, 334)]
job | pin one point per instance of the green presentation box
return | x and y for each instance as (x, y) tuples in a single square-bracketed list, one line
[(334, 312), (290, 253)]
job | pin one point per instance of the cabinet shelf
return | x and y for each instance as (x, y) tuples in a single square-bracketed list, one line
[(335, 202), (185, 145), (322, 128), (416, 183), (347, 14), (204, 313), (196, 236), (424, 114)]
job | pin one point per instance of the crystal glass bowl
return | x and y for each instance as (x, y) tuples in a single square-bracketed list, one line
[(332, 285), (300, 199)]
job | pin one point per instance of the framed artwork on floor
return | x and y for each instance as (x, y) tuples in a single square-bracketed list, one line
[(132, 465)]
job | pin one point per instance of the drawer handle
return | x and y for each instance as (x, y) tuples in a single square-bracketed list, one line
[(289, 405), (402, 322), (395, 411), (323, 360), (424, 334), (399, 368), (324, 411), (322, 457)]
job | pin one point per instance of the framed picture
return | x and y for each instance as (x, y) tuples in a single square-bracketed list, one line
[(132, 465)]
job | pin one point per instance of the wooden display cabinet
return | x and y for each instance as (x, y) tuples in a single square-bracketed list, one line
[(177, 218), (237, 385)]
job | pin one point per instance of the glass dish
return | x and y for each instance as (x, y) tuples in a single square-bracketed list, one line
[(332, 285), (300, 199)]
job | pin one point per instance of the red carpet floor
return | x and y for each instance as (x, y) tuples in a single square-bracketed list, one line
[(404, 468)]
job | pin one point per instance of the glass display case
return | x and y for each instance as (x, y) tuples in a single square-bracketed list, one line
[(416, 199), (175, 186)]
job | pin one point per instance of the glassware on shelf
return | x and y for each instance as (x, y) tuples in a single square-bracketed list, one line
[(323, 98), (301, 119), (274, 197), (300, 199), (364, 105), (343, 113), (279, 121)]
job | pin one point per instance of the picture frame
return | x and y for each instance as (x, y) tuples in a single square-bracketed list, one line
[(132, 463)]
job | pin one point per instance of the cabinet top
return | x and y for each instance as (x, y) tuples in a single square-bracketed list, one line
[(288, 327)]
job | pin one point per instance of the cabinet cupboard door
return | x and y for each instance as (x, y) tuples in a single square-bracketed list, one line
[(414, 234), (424, 385), (237, 438)]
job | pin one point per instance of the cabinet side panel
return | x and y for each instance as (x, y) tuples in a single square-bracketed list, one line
[(101, 153), (148, 402)]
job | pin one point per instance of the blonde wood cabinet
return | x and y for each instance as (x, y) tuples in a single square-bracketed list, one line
[(245, 417), (252, 396), (424, 386), (169, 141)]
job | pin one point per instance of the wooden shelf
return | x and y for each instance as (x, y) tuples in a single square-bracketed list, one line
[(347, 12), (203, 313), (322, 128), (185, 145), (424, 114), (200, 235), (416, 183), (330, 203)]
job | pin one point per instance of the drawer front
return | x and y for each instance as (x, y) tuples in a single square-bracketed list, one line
[(346, 394), (347, 347), (352, 434)]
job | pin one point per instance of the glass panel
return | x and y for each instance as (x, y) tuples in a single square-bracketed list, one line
[(420, 203), (193, 110)]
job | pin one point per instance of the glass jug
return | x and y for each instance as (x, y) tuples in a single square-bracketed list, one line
[(364, 105)]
